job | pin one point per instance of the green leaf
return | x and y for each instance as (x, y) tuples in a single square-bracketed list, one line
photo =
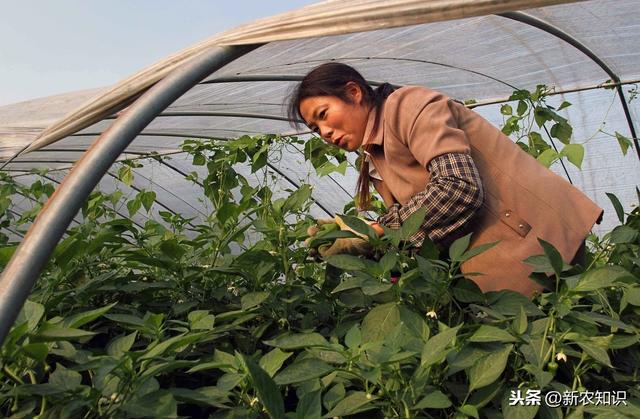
[(349, 283), (617, 206), (486, 333), (553, 255), (253, 299), (303, 370), (327, 168), (596, 352), (468, 291), (125, 175), (37, 351), (519, 324), (413, 223), (81, 319), (208, 396), (353, 338), (541, 263), (346, 262), (564, 105), (458, 247), (469, 410), (133, 206), (518, 411), (575, 154), (624, 142), (508, 303), (522, 107), (198, 160), (624, 234), (230, 381), (547, 157), (485, 395), (6, 253), (65, 379), (31, 313), (600, 278), (433, 400), (358, 225), (273, 361), (297, 199), (201, 320), (157, 404), (562, 131), (268, 392), (434, 349), (388, 261), (165, 367), (121, 345), (414, 324), (172, 248), (297, 341), (542, 115), (477, 250), (126, 319), (147, 198), (52, 333), (333, 396), (379, 322), (353, 403), (487, 369), (309, 406), (506, 109), (213, 365), (536, 143), (632, 295), (173, 343)]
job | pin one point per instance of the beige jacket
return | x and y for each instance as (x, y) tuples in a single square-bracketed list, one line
[(523, 199)]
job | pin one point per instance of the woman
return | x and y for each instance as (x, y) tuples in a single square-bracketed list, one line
[(423, 149)]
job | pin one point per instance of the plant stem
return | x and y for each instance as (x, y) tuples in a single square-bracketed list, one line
[(12, 375)]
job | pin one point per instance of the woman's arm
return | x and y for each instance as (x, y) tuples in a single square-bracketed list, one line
[(452, 196)]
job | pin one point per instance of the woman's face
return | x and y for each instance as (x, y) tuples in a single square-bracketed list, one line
[(338, 122)]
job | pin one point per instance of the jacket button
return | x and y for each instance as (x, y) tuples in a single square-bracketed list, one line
[(521, 226), (507, 214)]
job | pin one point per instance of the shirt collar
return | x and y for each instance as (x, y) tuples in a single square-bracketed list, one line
[(371, 137)]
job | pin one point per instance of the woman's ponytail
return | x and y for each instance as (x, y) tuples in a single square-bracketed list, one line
[(363, 197)]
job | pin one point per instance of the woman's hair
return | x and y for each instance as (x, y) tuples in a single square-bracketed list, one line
[(330, 79)]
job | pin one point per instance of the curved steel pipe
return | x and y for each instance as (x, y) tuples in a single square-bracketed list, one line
[(34, 251)]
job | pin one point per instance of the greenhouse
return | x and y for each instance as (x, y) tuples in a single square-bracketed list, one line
[(160, 239)]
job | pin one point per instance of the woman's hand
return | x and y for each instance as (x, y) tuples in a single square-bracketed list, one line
[(351, 245), (377, 227)]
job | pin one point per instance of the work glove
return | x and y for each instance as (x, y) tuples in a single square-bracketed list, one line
[(350, 245)]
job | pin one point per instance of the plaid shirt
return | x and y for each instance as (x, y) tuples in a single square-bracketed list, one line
[(452, 196)]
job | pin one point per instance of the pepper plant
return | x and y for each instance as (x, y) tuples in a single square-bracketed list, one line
[(229, 317)]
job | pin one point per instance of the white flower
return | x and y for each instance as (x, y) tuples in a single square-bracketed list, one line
[(561, 356), (432, 314), (481, 314)]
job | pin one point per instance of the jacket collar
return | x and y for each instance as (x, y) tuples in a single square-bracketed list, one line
[(371, 137)]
